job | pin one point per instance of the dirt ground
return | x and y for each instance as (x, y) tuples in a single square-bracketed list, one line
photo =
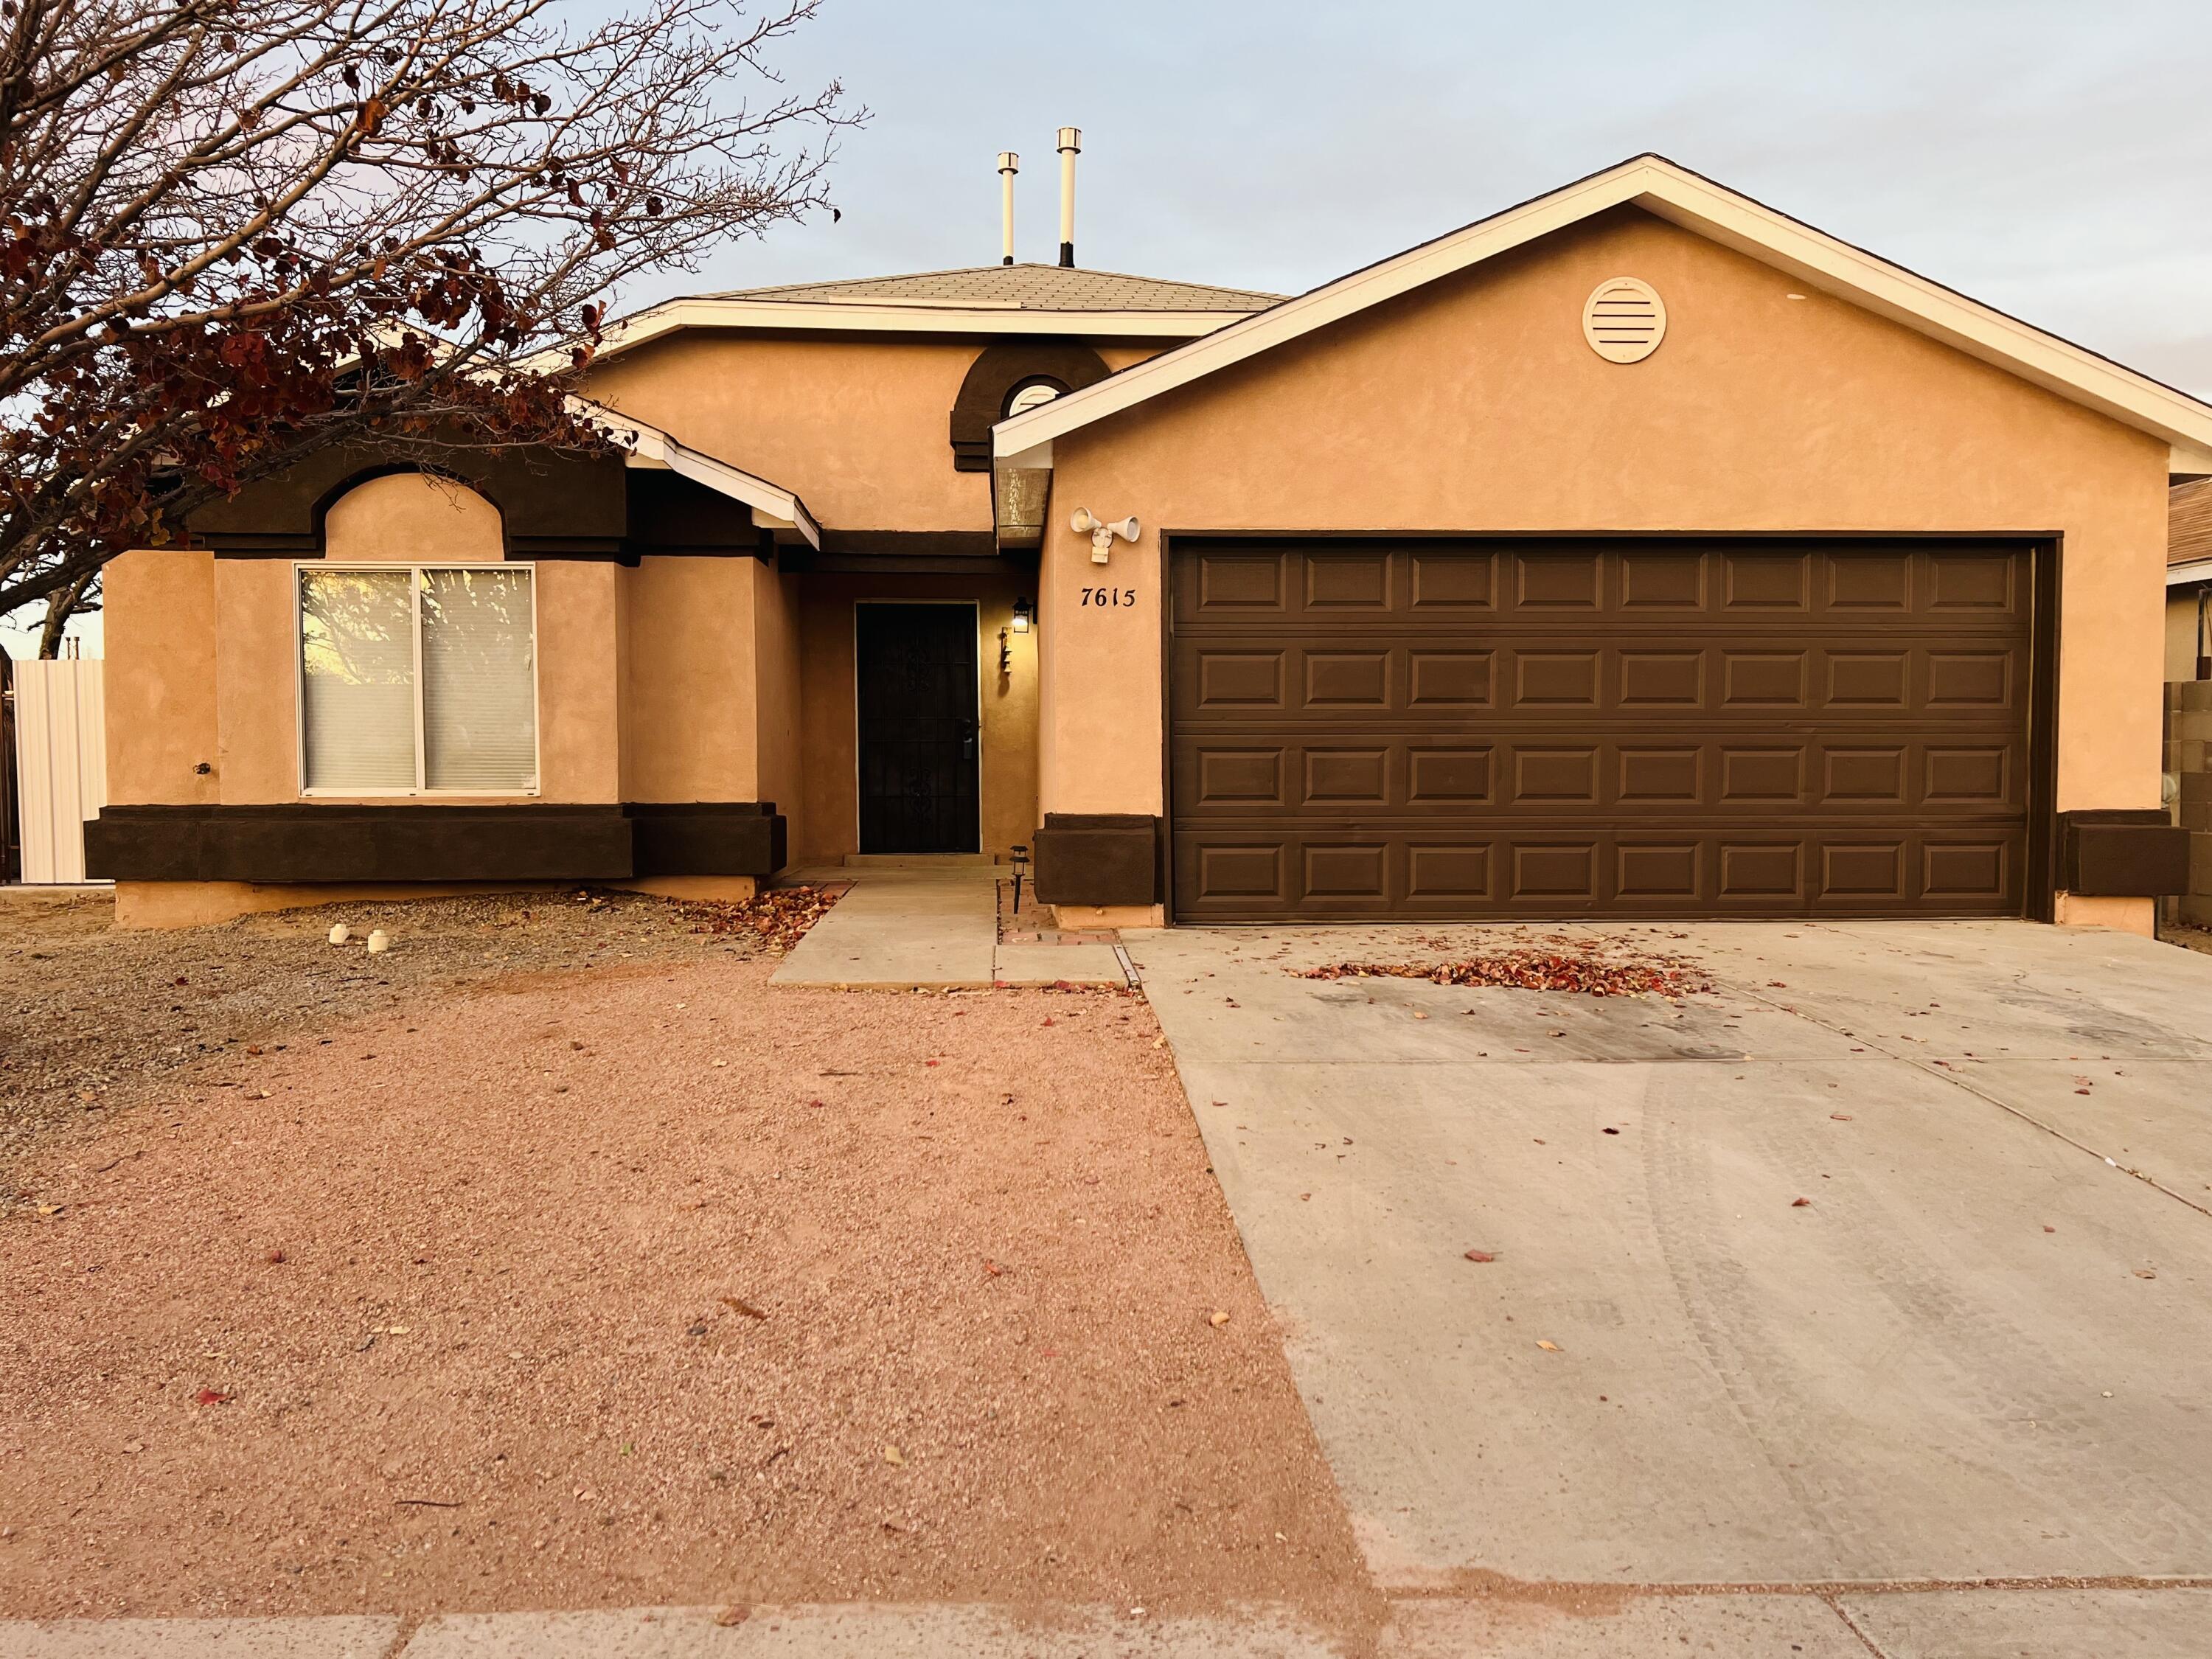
[(645, 1283), (2187, 937), (91, 1017)]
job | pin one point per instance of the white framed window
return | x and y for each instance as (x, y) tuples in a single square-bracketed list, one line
[(417, 679)]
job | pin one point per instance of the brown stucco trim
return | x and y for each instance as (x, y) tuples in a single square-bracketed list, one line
[(551, 506), (993, 377), (535, 841), (1098, 859), (926, 543), (706, 838), (2123, 854)]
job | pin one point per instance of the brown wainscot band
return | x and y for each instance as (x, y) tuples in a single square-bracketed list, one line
[(533, 842), (1104, 858), (2122, 853)]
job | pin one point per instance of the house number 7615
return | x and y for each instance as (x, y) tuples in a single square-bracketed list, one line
[(1110, 596)]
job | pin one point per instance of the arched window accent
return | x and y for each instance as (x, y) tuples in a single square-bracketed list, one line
[(1004, 373)]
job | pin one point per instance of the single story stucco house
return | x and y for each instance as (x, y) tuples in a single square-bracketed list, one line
[(1636, 552)]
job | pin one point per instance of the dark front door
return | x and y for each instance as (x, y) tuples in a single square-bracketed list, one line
[(916, 669)]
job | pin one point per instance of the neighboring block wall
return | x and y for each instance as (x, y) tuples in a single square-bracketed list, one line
[(2189, 758)]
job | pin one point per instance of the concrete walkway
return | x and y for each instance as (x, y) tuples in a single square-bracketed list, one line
[(1845, 1273), (1515, 1623), (933, 926)]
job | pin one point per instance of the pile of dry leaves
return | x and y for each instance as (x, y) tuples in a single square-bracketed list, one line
[(778, 918), (1539, 970)]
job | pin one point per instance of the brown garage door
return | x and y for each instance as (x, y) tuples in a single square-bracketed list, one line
[(1670, 727)]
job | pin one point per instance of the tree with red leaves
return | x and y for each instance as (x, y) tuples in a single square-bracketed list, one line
[(234, 232)]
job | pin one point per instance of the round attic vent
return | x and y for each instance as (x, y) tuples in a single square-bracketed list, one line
[(1624, 320)]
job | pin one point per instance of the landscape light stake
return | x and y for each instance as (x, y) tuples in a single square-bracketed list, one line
[(1021, 869)]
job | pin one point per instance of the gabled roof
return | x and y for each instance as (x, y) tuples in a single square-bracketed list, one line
[(1697, 204), (1030, 288), (1054, 300)]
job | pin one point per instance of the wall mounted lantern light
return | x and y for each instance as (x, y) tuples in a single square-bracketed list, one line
[(1024, 611)]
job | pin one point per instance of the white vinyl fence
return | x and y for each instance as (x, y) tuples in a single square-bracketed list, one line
[(61, 763)]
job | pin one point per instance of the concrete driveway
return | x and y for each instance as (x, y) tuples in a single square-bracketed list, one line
[(1982, 1349)]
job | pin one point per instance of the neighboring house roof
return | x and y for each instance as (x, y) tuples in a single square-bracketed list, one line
[(2189, 532), (984, 299), (1699, 204), (2188, 522), (1032, 287)]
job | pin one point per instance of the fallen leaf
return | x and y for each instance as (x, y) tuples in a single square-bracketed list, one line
[(729, 1616), (211, 1397), (1799, 1203), (1841, 1117), (1546, 1345), (893, 1456), (1481, 1256), (2145, 1273)]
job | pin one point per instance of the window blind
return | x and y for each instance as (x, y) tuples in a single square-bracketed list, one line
[(357, 678), (479, 693)]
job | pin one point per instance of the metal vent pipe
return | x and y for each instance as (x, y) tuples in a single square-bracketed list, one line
[(1071, 146)]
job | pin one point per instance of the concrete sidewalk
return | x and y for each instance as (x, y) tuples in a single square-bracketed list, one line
[(1519, 1621), (928, 926)]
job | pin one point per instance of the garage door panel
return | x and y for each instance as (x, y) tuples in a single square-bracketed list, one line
[(1434, 729), (1306, 773), (1552, 872)]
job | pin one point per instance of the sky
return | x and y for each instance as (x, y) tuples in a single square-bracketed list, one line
[(2053, 160)]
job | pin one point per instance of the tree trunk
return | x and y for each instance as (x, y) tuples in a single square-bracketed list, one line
[(61, 606)]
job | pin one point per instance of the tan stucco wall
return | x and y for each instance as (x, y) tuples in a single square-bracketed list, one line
[(159, 616), (689, 724), (2181, 633), (1475, 405), (1008, 751), (782, 774), (411, 516), (857, 426), (234, 673)]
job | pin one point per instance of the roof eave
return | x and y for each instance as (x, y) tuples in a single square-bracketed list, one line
[(849, 316), (773, 507)]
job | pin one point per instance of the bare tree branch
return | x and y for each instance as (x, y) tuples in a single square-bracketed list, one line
[(233, 232)]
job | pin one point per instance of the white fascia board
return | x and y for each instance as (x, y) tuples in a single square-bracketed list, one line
[(2187, 576), (1697, 204), (772, 506), (863, 317)]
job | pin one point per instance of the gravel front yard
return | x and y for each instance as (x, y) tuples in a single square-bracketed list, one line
[(641, 1283), (90, 1018)]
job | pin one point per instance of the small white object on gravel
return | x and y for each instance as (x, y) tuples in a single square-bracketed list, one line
[(379, 941), (339, 932)]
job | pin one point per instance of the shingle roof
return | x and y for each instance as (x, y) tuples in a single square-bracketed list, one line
[(1026, 288), (2188, 522)]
